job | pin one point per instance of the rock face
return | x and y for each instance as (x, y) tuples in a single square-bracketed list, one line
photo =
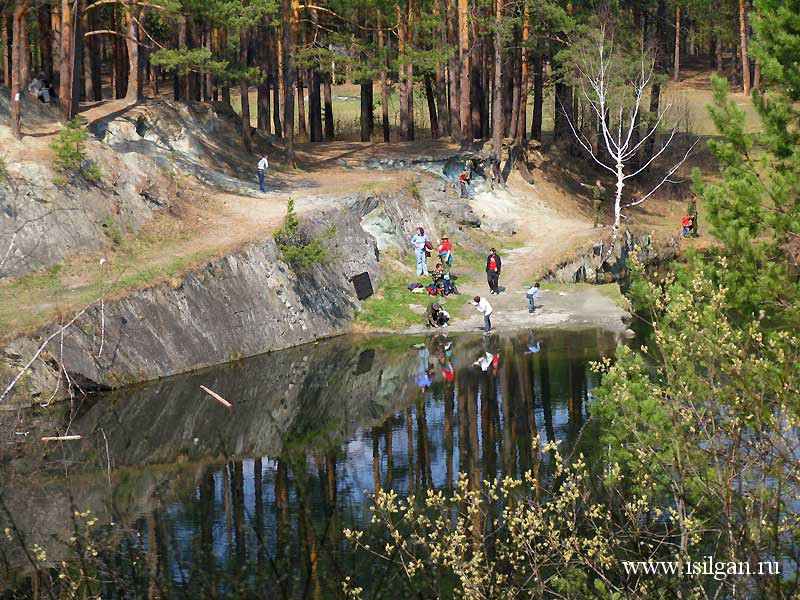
[(585, 268), (244, 304), (51, 219)]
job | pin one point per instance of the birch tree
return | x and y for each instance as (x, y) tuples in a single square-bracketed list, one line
[(614, 87)]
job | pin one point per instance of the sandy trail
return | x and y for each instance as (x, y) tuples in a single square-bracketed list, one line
[(549, 235)]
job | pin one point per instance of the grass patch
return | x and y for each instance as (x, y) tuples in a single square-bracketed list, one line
[(394, 307)]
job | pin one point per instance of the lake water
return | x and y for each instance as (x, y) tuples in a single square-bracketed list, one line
[(194, 500)]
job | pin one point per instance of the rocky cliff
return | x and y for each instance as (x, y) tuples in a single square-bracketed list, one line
[(243, 304)]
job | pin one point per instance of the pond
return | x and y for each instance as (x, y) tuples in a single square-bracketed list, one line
[(184, 497)]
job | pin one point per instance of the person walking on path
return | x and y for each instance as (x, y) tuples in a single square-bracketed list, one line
[(263, 165), (693, 214), (532, 294), (445, 253), (493, 267), (483, 306), (420, 242)]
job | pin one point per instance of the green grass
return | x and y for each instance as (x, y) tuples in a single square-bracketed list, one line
[(390, 307)]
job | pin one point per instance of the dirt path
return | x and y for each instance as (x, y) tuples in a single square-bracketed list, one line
[(549, 236)]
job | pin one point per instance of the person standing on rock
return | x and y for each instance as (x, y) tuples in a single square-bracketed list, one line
[(263, 165), (421, 242), (493, 267), (483, 306)]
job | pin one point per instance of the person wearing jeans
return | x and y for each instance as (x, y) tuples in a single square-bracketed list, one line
[(484, 307), (533, 293), (263, 165), (420, 240)]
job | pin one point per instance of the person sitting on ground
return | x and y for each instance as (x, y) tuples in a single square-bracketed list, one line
[(532, 294), (432, 314), (438, 275), (686, 225), (445, 253), (444, 318)]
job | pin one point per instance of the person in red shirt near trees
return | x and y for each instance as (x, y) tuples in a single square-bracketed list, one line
[(463, 179)]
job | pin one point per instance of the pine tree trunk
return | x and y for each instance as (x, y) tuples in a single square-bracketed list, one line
[(718, 52), (676, 74), (25, 54), (118, 59), (442, 112), (45, 41), (431, 107), (384, 84), (464, 85), (301, 105), (77, 58), (223, 45), (410, 70), (757, 75), (288, 29), (67, 57), (244, 91), (315, 106), (366, 109), (538, 96), (280, 109), (314, 92), (497, 108), (479, 90), (88, 66), (522, 122), (453, 71), (403, 89), (208, 78), (511, 127), (743, 47), (20, 8), (329, 124), (6, 49), (134, 70), (263, 118)]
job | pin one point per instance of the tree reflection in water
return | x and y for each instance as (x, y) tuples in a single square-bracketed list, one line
[(252, 503)]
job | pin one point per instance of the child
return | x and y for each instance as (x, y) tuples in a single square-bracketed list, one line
[(444, 318), (532, 293), (686, 224)]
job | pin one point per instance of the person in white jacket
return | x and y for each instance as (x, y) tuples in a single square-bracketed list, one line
[(483, 306)]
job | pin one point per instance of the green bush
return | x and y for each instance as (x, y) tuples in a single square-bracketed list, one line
[(70, 157), (299, 250)]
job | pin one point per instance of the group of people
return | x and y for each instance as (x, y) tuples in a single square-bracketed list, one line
[(41, 89), (441, 279)]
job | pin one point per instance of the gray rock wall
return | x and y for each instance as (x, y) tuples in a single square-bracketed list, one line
[(240, 305)]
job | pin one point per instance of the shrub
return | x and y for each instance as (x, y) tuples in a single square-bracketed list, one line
[(70, 157), (298, 249)]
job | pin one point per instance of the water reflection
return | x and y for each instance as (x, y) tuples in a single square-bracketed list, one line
[(250, 502)]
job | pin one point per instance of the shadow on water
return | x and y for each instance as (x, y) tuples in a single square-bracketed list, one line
[(252, 502)]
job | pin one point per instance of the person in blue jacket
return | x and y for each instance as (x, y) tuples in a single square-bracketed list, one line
[(421, 244)]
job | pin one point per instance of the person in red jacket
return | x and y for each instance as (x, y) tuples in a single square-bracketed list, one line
[(462, 180), (445, 253)]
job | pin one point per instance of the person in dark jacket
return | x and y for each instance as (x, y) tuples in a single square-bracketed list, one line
[(432, 314), (493, 267)]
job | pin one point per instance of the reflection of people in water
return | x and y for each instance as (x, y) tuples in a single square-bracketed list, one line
[(533, 344), (446, 362), (424, 371), (486, 360)]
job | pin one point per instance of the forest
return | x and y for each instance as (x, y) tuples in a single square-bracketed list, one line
[(482, 69)]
